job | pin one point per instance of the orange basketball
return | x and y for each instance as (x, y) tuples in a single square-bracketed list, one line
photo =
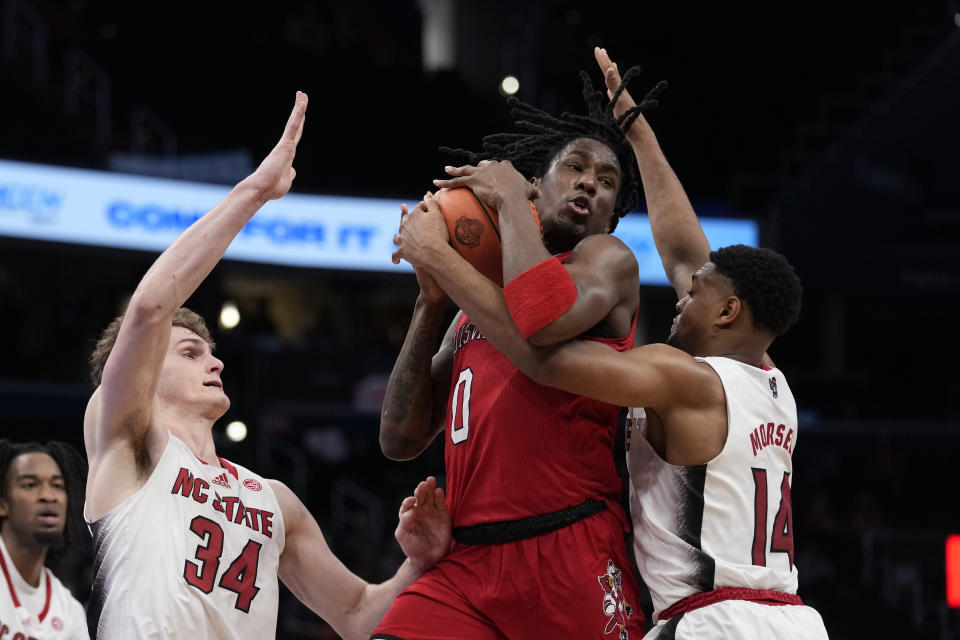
[(474, 229)]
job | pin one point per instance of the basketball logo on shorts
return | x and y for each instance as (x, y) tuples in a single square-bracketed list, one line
[(468, 231), (252, 484), (613, 603)]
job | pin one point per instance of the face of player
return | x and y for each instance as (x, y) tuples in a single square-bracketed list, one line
[(697, 312), (34, 508), (190, 377), (578, 193)]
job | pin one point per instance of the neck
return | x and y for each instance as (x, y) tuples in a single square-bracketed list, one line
[(27, 557), (748, 350), (196, 431)]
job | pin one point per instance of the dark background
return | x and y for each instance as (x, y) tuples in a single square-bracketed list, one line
[(832, 124)]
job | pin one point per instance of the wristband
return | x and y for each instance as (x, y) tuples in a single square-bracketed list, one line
[(540, 295)]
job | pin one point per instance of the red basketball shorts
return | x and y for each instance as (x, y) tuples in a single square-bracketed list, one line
[(575, 582)]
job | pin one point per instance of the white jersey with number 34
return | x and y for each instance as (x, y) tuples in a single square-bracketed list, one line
[(726, 523), (193, 554)]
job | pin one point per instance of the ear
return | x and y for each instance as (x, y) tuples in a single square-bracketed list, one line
[(535, 181), (730, 310), (4, 508)]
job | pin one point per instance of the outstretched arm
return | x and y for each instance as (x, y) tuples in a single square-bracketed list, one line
[(680, 241), (352, 606), (121, 409)]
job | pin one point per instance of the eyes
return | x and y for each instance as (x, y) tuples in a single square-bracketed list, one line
[(30, 485), (605, 180)]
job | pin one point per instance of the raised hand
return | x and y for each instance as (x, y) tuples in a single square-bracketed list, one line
[(424, 530), (275, 174), (491, 181), (611, 77)]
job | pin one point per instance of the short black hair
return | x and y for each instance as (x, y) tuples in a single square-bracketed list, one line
[(73, 467), (765, 281), (541, 136)]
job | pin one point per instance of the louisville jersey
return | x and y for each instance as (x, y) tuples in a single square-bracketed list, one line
[(515, 448), (45, 612), (726, 523), (193, 554)]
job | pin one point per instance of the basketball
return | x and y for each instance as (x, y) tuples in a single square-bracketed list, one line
[(474, 229)]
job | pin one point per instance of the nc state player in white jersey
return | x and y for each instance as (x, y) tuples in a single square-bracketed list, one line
[(41, 486), (187, 544), (710, 458)]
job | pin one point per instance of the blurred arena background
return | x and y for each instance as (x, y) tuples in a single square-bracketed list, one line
[(833, 125)]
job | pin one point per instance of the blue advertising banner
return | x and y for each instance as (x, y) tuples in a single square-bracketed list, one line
[(332, 232)]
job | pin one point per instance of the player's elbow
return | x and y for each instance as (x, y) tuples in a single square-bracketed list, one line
[(145, 311), (398, 447)]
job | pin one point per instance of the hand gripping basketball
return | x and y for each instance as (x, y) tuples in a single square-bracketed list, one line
[(474, 229)]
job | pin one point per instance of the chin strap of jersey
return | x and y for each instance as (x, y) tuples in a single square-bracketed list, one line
[(540, 295)]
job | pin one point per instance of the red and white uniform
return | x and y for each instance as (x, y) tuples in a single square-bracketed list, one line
[(193, 554), (45, 612), (724, 525), (516, 449)]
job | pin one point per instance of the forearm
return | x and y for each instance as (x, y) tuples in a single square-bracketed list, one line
[(676, 231), (522, 243), (183, 266), (376, 599), (483, 302), (406, 418)]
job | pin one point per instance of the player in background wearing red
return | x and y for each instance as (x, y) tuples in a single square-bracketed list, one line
[(41, 492), (187, 544), (710, 438), (531, 481)]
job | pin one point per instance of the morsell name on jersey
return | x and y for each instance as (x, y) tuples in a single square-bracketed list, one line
[(768, 434), (231, 506)]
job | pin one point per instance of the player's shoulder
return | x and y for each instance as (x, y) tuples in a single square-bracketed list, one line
[(604, 248), (600, 242)]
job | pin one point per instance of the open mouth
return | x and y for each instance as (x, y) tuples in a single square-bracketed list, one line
[(215, 384), (580, 205)]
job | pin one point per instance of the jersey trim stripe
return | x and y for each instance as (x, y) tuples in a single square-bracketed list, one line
[(759, 596), (46, 605), (6, 574)]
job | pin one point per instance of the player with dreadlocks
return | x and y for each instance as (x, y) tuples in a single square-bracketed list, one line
[(41, 502), (709, 489), (531, 480)]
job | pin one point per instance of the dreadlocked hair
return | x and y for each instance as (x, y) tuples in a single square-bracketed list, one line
[(541, 136), (73, 468)]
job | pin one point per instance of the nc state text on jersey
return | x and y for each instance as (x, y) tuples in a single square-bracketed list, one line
[(231, 506)]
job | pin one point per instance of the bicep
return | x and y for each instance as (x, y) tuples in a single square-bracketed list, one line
[(605, 273), (130, 378)]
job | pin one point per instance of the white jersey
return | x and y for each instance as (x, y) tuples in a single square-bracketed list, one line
[(193, 554), (726, 523), (45, 612)]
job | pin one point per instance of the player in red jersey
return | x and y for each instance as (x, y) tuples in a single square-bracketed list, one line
[(531, 481), (703, 511)]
